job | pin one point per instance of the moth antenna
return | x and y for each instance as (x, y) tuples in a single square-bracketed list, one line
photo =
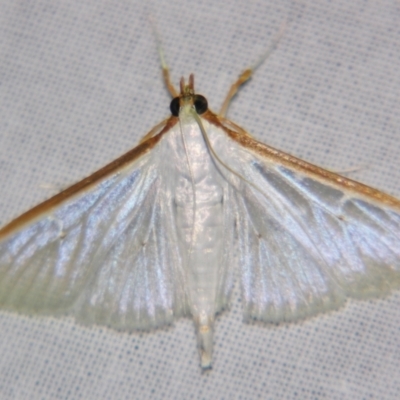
[(275, 41), (165, 70), (248, 72)]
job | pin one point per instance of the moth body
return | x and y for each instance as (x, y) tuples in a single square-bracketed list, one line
[(160, 233), (198, 199)]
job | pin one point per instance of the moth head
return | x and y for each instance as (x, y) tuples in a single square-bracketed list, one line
[(188, 99)]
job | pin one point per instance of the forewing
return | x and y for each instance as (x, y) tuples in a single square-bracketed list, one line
[(305, 242), (101, 255)]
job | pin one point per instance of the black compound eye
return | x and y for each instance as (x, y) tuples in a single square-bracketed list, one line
[(200, 104), (175, 106)]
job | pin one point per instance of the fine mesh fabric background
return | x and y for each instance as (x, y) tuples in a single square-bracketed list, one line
[(80, 83)]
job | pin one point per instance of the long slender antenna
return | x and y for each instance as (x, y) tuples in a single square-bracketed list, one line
[(248, 72), (164, 66)]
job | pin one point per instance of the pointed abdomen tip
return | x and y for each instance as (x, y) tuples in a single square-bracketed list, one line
[(205, 361)]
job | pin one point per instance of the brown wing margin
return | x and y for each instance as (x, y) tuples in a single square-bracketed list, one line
[(153, 138), (240, 136)]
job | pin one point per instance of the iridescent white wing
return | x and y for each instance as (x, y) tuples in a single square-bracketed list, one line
[(307, 238), (103, 254)]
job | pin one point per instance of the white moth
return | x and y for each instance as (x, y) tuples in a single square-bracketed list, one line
[(159, 233)]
